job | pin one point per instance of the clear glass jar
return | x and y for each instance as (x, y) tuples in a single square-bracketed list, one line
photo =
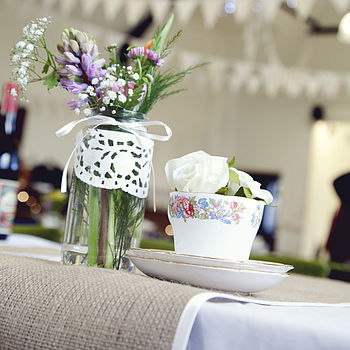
[(102, 224)]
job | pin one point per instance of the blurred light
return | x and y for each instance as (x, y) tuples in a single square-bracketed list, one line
[(230, 6), (31, 201), (35, 208), (292, 3), (257, 6), (22, 196), (344, 29)]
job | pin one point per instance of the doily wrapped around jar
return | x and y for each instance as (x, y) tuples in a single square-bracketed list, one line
[(111, 160)]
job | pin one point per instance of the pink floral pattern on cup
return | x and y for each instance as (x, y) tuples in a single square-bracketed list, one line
[(222, 210)]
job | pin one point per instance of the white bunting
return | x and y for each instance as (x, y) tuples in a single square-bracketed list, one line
[(304, 8), (270, 9), (89, 6), (243, 10), (217, 71), (135, 10), (111, 8), (184, 10), (211, 11), (159, 9), (341, 6)]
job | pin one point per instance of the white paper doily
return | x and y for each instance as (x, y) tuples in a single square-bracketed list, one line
[(111, 159)]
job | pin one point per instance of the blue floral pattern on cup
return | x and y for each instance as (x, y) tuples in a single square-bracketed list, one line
[(222, 210), (256, 216)]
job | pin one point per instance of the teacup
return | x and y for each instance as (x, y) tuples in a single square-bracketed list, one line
[(213, 225)]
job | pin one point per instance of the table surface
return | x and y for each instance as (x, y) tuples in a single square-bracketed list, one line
[(187, 307)]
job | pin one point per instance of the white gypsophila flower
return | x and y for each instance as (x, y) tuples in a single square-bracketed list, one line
[(112, 95), (20, 45), (82, 96), (89, 89), (77, 111), (197, 172), (129, 68), (105, 100), (114, 111), (121, 82), (130, 92), (102, 109), (13, 92), (103, 84), (135, 76), (87, 112), (122, 98), (15, 58), (94, 81)]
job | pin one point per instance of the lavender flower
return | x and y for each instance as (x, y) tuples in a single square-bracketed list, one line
[(72, 86), (136, 51)]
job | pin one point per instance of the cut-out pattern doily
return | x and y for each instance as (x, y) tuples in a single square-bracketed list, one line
[(112, 159)]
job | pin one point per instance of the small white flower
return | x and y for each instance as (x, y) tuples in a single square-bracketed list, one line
[(89, 89), (29, 48), (114, 111), (94, 81), (129, 68), (130, 92), (15, 58), (135, 76), (102, 109), (122, 98), (87, 112), (77, 111), (13, 92), (105, 100), (121, 82), (20, 45), (82, 96), (112, 95), (103, 84)]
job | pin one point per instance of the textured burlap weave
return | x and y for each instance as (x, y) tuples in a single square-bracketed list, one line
[(46, 305)]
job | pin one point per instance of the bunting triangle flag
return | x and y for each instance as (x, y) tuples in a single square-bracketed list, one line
[(184, 10), (111, 8), (89, 6), (211, 11), (160, 10)]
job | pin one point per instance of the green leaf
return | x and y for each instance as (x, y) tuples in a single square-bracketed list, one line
[(232, 162), (51, 80), (247, 192), (131, 47), (233, 176), (222, 190), (159, 40), (46, 68)]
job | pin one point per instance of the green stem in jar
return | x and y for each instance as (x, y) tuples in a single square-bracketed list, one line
[(112, 216), (94, 218)]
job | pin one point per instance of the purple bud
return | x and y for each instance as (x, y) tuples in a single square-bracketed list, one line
[(74, 70), (99, 63), (86, 60), (72, 86), (71, 58), (61, 60)]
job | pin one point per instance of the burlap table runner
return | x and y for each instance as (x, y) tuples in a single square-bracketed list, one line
[(46, 305)]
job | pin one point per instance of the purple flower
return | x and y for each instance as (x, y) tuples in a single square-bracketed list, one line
[(136, 51), (73, 104), (154, 57), (71, 69), (91, 68), (72, 86), (71, 58)]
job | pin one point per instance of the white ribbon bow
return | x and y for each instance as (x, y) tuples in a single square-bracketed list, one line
[(135, 128)]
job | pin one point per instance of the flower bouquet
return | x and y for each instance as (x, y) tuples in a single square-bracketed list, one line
[(215, 209), (113, 151)]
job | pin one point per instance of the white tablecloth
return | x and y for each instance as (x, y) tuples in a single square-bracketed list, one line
[(218, 321)]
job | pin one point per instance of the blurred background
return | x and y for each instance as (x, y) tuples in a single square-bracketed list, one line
[(276, 95)]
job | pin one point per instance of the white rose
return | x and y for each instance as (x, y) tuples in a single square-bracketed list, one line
[(197, 172), (245, 180)]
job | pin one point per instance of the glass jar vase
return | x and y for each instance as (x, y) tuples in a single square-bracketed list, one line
[(107, 199)]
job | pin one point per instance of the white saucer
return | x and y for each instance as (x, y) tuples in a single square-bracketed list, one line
[(166, 255), (208, 277)]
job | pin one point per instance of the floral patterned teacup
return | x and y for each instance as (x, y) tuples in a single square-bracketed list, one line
[(213, 225)]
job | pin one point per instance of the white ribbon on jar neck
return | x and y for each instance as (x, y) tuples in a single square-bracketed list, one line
[(135, 128)]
